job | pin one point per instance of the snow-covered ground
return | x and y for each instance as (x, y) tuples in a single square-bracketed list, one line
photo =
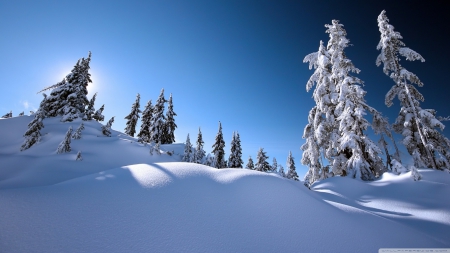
[(122, 199)]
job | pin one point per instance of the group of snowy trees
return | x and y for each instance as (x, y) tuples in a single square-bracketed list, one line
[(262, 165), (68, 100), (156, 127), (336, 125), (217, 158)]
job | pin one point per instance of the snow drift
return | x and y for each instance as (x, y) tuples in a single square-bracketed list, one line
[(122, 199)]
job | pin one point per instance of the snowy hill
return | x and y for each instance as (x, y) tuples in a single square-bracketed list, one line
[(122, 199)]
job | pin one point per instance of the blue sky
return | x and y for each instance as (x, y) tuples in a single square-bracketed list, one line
[(238, 62)]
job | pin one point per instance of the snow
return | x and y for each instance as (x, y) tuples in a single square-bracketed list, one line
[(119, 198)]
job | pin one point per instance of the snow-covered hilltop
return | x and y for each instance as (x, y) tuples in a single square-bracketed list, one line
[(119, 198)]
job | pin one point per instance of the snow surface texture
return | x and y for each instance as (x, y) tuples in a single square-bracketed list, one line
[(119, 198)]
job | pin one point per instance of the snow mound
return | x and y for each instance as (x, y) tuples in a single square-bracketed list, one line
[(122, 199)]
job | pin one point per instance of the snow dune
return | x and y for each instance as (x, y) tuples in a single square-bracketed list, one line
[(121, 199)]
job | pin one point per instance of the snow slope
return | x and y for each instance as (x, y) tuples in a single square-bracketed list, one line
[(121, 199)]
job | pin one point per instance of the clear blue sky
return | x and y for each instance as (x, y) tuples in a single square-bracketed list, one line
[(239, 62)]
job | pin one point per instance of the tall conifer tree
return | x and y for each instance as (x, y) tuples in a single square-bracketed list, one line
[(218, 149), (133, 117), (144, 133)]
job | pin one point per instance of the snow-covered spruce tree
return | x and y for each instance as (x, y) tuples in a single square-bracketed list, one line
[(64, 146), (98, 116), (324, 127), (339, 117), (261, 161), (238, 162), (199, 153), (158, 120), (133, 117), (290, 165), (188, 154), (250, 165), (21, 114), (311, 153), (218, 149), (79, 158), (415, 175), (417, 125), (106, 130), (68, 97), (7, 116), (144, 133), (235, 158), (77, 134), (397, 167), (274, 166), (32, 135), (169, 126), (90, 110), (281, 171)]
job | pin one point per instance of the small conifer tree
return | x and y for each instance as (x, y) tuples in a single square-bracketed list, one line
[(98, 116), (158, 120), (144, 133), (218, 149), (250, 165), (188, 155), (261, 161), (64, 146), (106, 130), (290, 165), (133, 117), (281, 171), (8, 115), (77, 134), (90, 110), (274, 166), (199, 153), (21, 114), (169, 126), (79, 158), (32, 135)]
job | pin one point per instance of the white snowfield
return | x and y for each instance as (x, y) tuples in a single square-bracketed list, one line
[(119, 198)]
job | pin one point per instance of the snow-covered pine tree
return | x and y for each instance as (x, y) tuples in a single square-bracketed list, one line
[(64, 146), (106, 130), (218, 149), (311, 153), (235, 160), (274, 166), (158, 119), (98, 116), (68, 97), (361, 154), (90, 110), (290, 165), (261, 161), (199, 153), (281, 171), (169, 126), (188, 154), (324, 126), (250, 165), (22, 114), (417, 125), (79, 158), (7, 116), (231, 157), (133, 117), (144, 133), (238, 156), (77, 134), (32, 135)]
